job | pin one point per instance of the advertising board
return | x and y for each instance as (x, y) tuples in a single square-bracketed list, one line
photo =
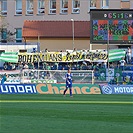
[(18, 89), (13, 76), (76, 89), (117, 89), (48, 89)]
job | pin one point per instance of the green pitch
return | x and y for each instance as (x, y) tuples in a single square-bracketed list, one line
[(58, 114)]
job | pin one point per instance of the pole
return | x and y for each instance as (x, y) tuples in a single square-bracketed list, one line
[(108, 49), (90, 46), (73, 32), (38, 51), (73, 35)]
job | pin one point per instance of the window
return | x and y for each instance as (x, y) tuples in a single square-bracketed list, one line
[(19, 35), (4, 35), (52, 7), (76, 6), (92, 3), (64, 6), (18, 7), (105, 3), (41, 7), (4, 7), (29, 7)]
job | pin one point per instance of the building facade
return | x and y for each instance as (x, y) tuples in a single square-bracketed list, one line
[(14, 12), (57, 35)]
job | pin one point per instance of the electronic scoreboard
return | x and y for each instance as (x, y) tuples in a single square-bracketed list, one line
[(113, 25)]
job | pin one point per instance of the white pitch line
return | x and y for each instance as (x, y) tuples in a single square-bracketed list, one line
[(80, 102)]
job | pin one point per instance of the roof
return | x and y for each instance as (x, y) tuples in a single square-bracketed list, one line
[(56, 29)]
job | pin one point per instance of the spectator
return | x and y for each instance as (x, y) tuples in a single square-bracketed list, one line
[(31, 65), (44, 64), (67, 56), (96, 67), (74, 50), (56, 65), (83, 54), (4, 78), (114, 81), (10, 66), (5, 65), (78, 66), (126, 80), (26, 66), (130, 82), (20, 66), (46, 50), (105, 64), (111, 65), (48, 67), (128, 55), (84, 63), (122, 63), (13, 66)]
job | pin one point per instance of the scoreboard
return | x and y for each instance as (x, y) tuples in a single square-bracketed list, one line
[(113, 25)]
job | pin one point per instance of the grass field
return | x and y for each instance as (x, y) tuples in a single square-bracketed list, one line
[(58, 114)]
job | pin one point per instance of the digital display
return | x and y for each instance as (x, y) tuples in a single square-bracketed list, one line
[(113, 26)]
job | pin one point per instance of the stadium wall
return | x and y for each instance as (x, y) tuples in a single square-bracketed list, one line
[(57, 44)]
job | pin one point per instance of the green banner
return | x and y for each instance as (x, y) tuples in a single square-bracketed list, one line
[(76, 89), (116, 54), (110, 74), (9, 57)]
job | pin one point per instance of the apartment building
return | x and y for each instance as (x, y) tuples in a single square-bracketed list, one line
[(15, 12)]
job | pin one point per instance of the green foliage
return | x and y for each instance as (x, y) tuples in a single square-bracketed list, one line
[(4, 27)]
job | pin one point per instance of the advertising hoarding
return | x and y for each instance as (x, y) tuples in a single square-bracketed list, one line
[(48, 89), (117, 89)]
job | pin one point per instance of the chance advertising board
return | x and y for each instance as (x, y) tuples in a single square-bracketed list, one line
[(117, 89)]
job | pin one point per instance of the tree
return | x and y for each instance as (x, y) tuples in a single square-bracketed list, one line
[(5, 34)]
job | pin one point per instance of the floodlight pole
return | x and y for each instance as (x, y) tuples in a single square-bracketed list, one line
[(38, 51), (108, 50), (73, 32)]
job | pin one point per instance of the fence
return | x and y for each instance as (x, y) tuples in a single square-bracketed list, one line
[(112, 76), (56, 76)]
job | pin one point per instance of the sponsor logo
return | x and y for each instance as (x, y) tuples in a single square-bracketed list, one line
[(59, 88), (117, 89), (125, 89), (18, 88), (107, 89), (13, 81)]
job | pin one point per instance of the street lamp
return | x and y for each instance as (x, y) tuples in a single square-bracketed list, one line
[(73, 31)]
